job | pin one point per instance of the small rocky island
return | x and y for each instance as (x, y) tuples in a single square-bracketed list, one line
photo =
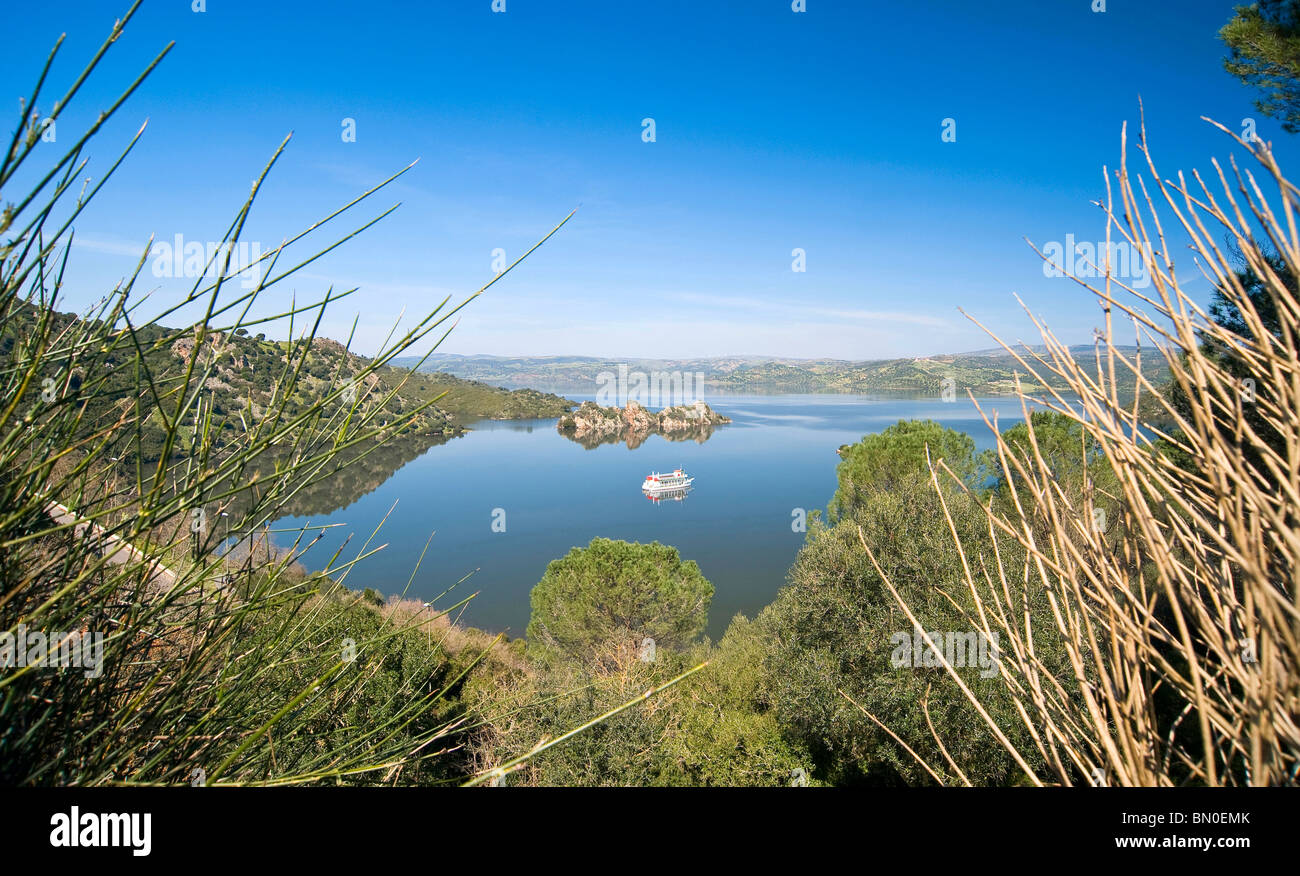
[(592, 425)]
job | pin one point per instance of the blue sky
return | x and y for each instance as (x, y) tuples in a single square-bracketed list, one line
[(774, 130)]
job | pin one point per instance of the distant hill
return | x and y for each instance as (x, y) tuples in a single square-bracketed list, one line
[(246, 370), (983, 372)]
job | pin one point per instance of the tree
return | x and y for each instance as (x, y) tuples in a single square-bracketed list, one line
[(714, 729), (618, 593), (1227, 314), (895, 456), (838, 633), (1264, 53), (1072, 456)]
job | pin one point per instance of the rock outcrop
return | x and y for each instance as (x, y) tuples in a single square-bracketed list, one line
[(592, 425)]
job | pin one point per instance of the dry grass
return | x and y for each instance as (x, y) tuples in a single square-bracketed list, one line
[(454, 639), (1180, 619)]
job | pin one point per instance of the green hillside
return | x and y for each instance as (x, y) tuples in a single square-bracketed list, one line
[(243, 372), (985, 372)]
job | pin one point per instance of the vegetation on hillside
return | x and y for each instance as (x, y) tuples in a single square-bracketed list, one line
[(1098, 600), (1128, 592), (984, 373), (1176, 604), (243, 374), (128, 452)]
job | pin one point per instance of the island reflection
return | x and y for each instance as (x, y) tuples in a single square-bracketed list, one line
[(346, 479), (633, 440)]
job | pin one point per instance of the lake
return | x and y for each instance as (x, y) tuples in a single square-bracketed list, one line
[(547, 494)]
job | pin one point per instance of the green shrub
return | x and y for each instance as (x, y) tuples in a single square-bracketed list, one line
[(895, 456), (836, 629), (614, 593)]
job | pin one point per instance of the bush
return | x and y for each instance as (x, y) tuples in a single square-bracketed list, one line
[(835, 630), (111, 492), (895, 456), (618, 593)]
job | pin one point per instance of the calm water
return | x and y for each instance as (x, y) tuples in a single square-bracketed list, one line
[(777, 455)]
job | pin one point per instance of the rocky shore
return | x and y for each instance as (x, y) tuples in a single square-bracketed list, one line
[(592, 424)]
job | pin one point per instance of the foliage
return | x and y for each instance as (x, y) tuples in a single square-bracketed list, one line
[(714, 729), (836, 631), (618, 593), (1263, 42), (895, 456), (990, 372), (121, 445), (1179, 618), (243, 376)]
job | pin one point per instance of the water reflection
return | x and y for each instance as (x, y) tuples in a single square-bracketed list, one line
[(676, 495), (353, 474), (736, 526), (634, 439)]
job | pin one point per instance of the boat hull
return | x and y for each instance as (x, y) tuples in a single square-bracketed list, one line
[(666, 488)]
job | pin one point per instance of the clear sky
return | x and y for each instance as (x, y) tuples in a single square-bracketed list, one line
[(774, 130)]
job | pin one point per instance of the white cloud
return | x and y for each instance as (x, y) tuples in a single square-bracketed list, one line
[(109, 244)]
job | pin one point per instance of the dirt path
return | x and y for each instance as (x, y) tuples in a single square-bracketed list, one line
[(116, 550)]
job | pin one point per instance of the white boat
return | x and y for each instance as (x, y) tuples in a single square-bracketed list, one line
[(656, 482)]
